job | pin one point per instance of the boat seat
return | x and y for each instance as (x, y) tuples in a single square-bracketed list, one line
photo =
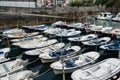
[(5, 67), (70, 63), (1, 52)]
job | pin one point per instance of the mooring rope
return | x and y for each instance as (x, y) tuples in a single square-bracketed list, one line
[(43, 73), (32, 62)]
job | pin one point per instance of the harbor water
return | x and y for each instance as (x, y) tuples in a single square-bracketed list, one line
[(45, 72)]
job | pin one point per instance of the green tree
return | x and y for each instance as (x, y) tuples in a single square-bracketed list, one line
[(76, 3)]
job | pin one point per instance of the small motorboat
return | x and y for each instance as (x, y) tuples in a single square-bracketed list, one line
[(12, 67), (42, 27), (38, 44), (68, 33), (31, 27), (22, 35), (3, 54), (22, 75), (97, 41), (83, 38), (96, 28), (116, 32), (49, 48), (102, 70), (105, 16), (75, 25), (28, 43), (113, 46), (55, 55), (88, 26), (53, 31), (13, 31), (71, 64), (106, 30), (59, 24), (26, 38)]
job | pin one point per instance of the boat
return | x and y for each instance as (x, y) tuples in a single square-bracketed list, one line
[(59, 24), (88, 26), (75, 25), (97, 41), (68, 33), (53, 31), (31, 41), (113, 46), (74, 63), (83, 38), (50, 48), (22, 75), (102, 70), (106, 30), (105, 16), (26, 38), (22, 35), (13, 31), (3, 54), (96, 28), (117, 18), (116, 32), (42, 28), (12, 67), (31, 27), (55, 55), (37, 44)]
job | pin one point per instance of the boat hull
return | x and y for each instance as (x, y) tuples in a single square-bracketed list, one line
[(60, 71)]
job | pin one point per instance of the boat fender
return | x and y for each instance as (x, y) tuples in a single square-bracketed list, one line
[(26, 75), (16, 63)]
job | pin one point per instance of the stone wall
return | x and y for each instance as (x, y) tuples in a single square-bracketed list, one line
[(54, 9)]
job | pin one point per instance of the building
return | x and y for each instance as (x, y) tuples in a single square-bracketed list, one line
[(32, 3), (20, 3)]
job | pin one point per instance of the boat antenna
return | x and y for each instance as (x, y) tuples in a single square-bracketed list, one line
[(119, 52), (62, 59), (8, 41)]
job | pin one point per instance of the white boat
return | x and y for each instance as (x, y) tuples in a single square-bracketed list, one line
[(105, 16), (117, 18), (30, 41), (96, 28), (12, 67), (42, 27), (59, 23), (22, 35), (75, 25), (88, 27), (113, 46), (53, 31), (26, 38), (37, 44), (102, 70), (68, 33), (97, 42), (49, 48), (106, 30), (74, 63), (55, 55), (83, 38), (3, 53), (116, 32), (22, 75), (13, 31), (32, 27)]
